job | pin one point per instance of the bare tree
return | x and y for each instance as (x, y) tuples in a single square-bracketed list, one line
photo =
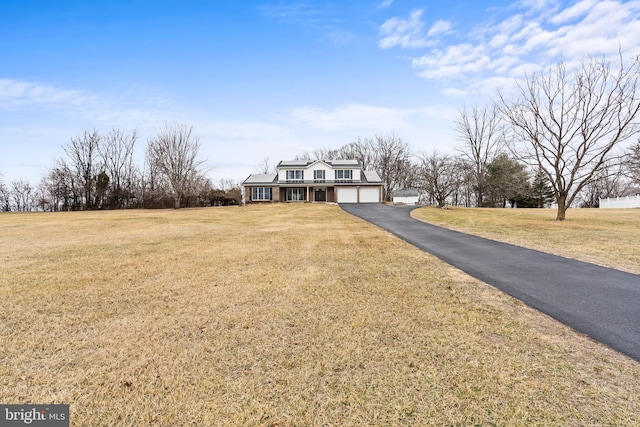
[(174, 152), (609, 181), (439, 176), (393, 162), (479, 131), (389, 155), (363, 150), (42, 196), (64, 187), (266, 167), (21, 196), (155, 187), (116, 151), (82, 152), (5, 197), (568, 123)]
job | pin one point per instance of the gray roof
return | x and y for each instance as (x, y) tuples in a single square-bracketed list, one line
[(371, 176), (261, 178), (305, 163), (343, 162), (406, 193), (272, 178), (298, 163)]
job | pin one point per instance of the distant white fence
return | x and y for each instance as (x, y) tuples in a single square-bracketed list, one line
[(621, 202)]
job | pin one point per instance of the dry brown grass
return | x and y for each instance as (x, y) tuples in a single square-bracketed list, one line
[(608, 237), (275, 316)]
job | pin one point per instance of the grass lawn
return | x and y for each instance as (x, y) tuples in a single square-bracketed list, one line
[(609, 237), (282, 315)]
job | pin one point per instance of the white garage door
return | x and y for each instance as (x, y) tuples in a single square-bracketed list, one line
[(369, 195), (347, 195)]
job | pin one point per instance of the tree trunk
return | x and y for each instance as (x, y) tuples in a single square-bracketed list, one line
[(562, 208)]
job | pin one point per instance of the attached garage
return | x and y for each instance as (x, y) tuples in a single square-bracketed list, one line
[(358, 194), (347, 194), (370, 195)]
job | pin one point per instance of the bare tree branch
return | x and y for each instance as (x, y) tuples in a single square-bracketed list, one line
[(567, 124), (479, 130), (174, 152)]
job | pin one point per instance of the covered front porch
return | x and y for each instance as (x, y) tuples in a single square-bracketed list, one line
[(307, 193)]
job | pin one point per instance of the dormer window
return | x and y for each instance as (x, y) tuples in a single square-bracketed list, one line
[(295, 175)]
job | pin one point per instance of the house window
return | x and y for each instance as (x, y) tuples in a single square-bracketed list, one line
[(261, 193), (344, 175), (318, 176), (295, 175), (295, 194)]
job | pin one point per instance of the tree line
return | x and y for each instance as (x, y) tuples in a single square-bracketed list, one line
[(493, 179), (558, 141), (98, 171)]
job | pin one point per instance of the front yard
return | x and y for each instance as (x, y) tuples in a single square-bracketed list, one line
[(279, 315)]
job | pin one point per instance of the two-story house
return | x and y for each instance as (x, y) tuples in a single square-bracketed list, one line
[(341, 181)]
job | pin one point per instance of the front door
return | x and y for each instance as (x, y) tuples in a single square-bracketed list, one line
[(320, 195)]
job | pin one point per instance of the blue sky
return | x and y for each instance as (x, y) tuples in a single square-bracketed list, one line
[(276, 78)]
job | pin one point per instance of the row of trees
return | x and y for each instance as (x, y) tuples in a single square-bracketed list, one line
[(558, 140), (98, 171), (565, 129), (443, 179), (390, 156)]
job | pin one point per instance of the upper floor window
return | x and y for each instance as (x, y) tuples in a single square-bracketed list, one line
[(344, 175), (318, 175), (297, 175)]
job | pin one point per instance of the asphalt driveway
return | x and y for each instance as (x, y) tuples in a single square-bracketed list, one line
[(600, 302)]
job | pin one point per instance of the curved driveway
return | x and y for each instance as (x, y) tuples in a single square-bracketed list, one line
[(600, 302)]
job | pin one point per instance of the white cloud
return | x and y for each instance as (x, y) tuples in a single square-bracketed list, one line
[(352, 116), (359, 117), (607, 26), (385, 4), (337, 36), (406, 33), (16, 94), (299, 12), (523, 37), (438, 28), (455, 61), (572, 12), (539, 6), (334, 127), (455, 92)]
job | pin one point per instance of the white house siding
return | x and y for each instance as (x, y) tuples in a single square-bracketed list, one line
[(409, 200), (329, 173), (620, 202)]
